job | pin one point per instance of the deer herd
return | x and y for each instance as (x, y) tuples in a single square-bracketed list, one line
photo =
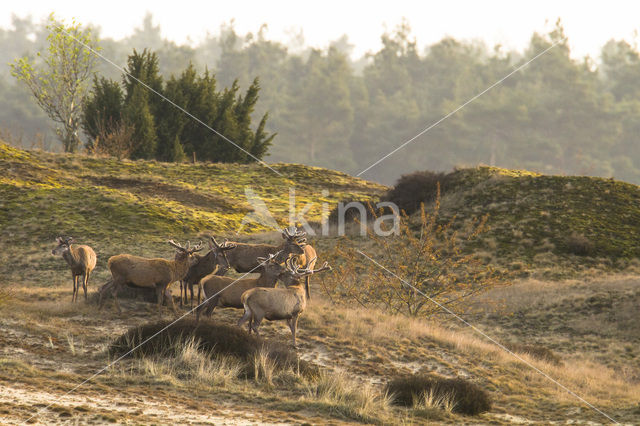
[(290, 262)]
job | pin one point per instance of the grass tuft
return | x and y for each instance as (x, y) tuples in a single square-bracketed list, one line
[(214, 339), (457, 395)]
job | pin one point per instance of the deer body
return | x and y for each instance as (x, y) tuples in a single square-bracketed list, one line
[(276, 304), (214, 262), (227, 292), (81, 260), (244, 257), (155, 273)]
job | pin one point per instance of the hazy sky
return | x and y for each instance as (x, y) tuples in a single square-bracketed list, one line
[(588, 24)]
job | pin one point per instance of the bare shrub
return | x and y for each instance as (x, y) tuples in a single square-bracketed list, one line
[(457, 395), (115, 139), (579, 245), (426, 255), (536, 351)]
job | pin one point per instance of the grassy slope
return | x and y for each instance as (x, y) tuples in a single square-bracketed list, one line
[(135, 206), (532, 217)]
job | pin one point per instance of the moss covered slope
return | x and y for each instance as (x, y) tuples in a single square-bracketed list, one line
[(545, 219), (118, 206)]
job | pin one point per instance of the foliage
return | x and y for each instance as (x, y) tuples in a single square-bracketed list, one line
[(416, 188), (467, 398), (163, 132), (59, 83), (427, 257)]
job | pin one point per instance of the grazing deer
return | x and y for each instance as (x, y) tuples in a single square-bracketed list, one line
[(155, 273), (215, 262), (81, 259), (279, 303), (226, 292), (244, 257)]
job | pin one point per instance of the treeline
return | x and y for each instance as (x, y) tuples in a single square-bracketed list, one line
[(139, 122), (557, 115)]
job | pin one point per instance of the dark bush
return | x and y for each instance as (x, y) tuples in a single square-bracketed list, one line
[(469, 398), (214, 338), (352, 213), (536, 351), (416, 188), (579, 245)]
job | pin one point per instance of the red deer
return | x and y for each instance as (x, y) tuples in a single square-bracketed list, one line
[(81, 260), (213, 262), (155, 273), (279, 303), (226, 292)]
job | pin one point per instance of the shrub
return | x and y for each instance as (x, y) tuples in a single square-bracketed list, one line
[(215, 339), (536, 351), (419, 187), (579, 245), (427, 257), (460, 395)]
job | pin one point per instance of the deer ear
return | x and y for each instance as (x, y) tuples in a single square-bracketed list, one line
[(58, 239)]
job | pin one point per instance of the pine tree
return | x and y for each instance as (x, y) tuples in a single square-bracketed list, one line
[(138, 114), (102, 112)]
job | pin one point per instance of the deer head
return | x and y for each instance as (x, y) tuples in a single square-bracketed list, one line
[(63, 245), (185, 252), (294, 274)]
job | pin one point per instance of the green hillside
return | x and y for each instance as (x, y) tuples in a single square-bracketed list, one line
[(119, 206), (541, 220)]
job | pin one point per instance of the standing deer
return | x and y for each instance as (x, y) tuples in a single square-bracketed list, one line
[(244, 257), (279, 303), (155, 273), (226, 292), (81, 259), (213, 262)]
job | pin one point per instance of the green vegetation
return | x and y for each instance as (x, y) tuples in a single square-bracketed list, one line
[(536, 219), (118, 206), (60, 84)]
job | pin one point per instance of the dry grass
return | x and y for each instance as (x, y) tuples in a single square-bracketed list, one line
[(350, 398)]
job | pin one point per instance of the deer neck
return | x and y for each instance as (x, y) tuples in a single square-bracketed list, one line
[(180, 268), (266, 280), (71, 256)]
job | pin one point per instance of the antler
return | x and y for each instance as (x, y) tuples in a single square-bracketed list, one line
[(198, 247), (187, 248), (293, 233), (227, 245), (325, 267), (224, 246), (267, 259), (176, 245)]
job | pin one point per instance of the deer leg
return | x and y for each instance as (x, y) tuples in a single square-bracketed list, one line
[(114, 293), (102, 291), (169, 298), (293, 324), (191, 294), (85, 279), (256, 324), (181, 289), (245, 317), (75, 285)]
